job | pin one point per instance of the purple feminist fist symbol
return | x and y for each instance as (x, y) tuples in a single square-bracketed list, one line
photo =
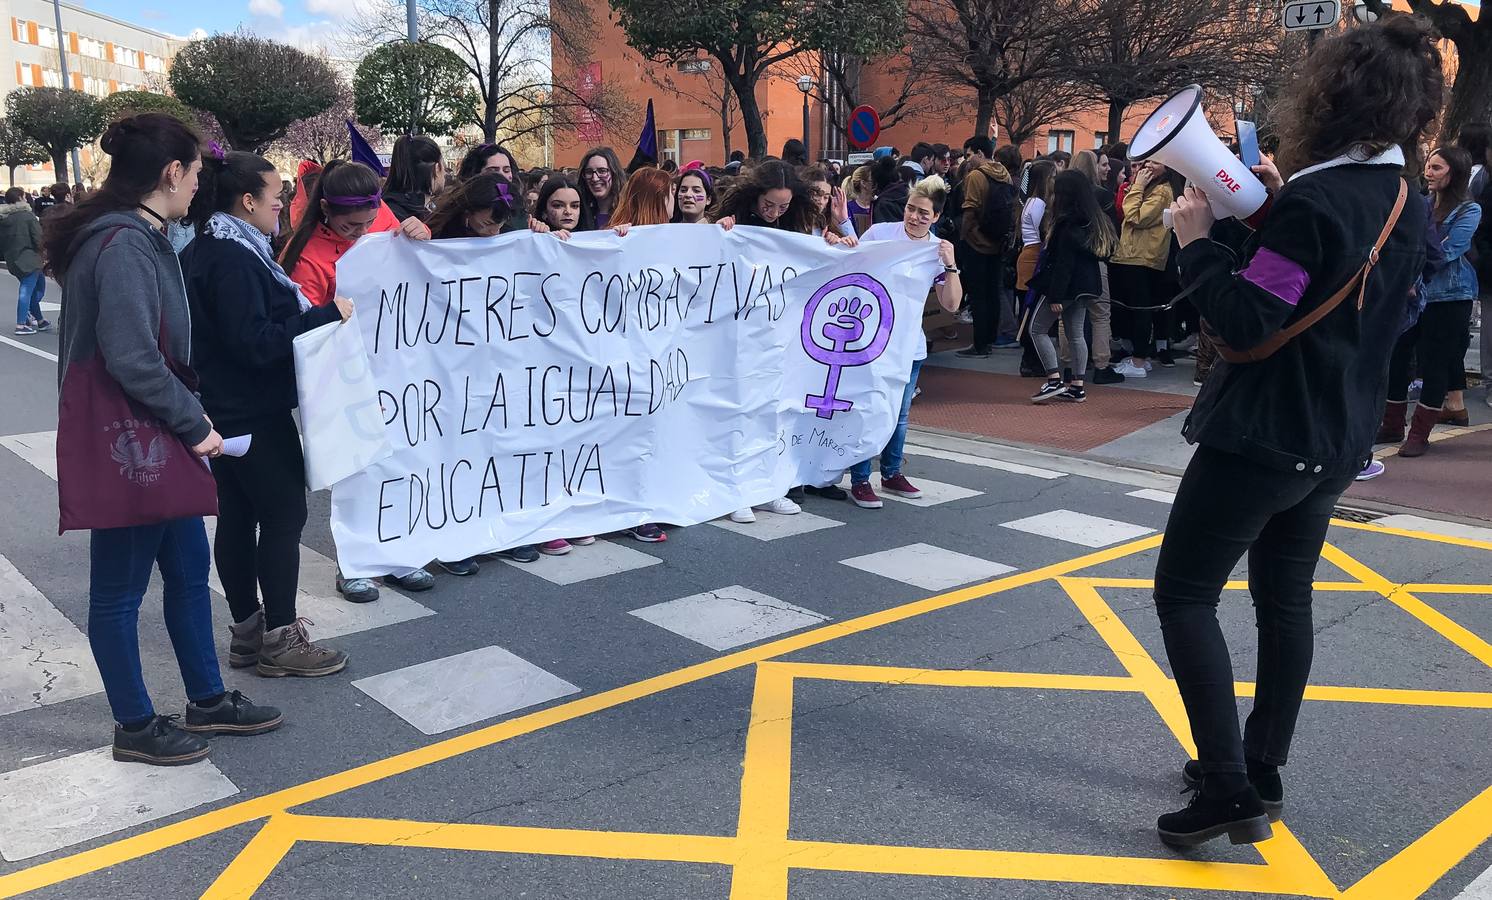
[(858, 298)]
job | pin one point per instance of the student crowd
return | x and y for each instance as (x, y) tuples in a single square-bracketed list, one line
[(192, 255)]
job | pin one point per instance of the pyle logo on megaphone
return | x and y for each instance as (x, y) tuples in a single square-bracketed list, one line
[(1177, 135)]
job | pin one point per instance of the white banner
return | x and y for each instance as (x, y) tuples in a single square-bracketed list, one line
[(535, 389)]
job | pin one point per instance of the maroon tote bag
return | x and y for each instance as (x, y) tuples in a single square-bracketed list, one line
[(118, 465)]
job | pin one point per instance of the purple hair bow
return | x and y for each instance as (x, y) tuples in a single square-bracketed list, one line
[(216, 151), (504, 194)]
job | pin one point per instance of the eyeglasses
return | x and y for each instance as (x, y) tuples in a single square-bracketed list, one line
[(597, 174)]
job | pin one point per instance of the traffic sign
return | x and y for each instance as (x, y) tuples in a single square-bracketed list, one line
[(865, 127), (1310, 15)]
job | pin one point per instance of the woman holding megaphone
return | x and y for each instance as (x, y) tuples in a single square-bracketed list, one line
[(1304, 329)]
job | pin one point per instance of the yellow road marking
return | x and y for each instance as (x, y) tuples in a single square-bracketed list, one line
[(1414, 533), (1149, 583), (1416, 868), (255, 861), (766, 788), (1442, 624), (957, 677)]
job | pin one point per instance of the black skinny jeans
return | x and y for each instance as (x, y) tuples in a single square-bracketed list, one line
[(263, 492), (1140, 286), (1439, 340), (1228, 505)]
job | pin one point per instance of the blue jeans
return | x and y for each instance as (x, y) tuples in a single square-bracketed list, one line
[(891, 457), (33, 288), (121, 562)]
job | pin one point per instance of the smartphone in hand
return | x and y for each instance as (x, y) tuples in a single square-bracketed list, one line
[(1248, 142)]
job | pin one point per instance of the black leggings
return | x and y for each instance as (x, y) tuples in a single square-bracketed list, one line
[(1438, 340), (264, 491), (984, 282), (1139, 286), (1228, 505)]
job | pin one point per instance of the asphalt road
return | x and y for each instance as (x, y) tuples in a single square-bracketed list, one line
[(926, 701)]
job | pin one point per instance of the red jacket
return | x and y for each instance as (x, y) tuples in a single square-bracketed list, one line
[(316, 270), (298, 202)]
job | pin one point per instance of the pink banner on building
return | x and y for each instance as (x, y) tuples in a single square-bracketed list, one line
[(588, 126)]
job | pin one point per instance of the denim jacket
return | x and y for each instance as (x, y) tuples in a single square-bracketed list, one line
[(1455, 278)]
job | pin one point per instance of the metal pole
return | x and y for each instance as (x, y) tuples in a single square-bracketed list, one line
[(806, 154), (66, 85), (412, 29)]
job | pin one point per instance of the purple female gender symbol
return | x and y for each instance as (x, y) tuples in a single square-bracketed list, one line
[(845, 326)]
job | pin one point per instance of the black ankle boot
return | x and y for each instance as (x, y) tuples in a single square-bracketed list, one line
[(1241, 817), (1265, 779)]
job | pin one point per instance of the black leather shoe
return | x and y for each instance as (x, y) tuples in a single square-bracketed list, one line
[(161, 743), (830, 492), (234, 714), (1241, 817), (1271, 789), (526, 554), (462, 568)]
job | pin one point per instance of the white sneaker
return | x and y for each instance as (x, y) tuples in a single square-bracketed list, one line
[(743, 516), (1129, 370), (782, 507)]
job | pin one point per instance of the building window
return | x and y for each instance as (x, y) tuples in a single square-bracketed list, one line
[(46, 37), (98, 87), (669, 144), (51, 78), (127, 57), (1099, 139), (89, 47), (696, 134), (1059, 140), (695, 66), (154, 64)]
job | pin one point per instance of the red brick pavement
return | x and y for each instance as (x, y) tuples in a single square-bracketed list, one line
[(1000, 407), (1455, 477)]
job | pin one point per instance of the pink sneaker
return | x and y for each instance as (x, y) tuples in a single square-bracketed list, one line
[(864, 496), (901, 487), (583, 541), (556, 547)]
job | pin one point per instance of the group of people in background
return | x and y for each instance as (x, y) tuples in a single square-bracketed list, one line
[(209, 257)]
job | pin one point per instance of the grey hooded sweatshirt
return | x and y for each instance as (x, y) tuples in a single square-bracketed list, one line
[(122, 292)]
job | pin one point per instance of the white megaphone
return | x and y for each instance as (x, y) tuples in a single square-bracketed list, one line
[(1178, 135)]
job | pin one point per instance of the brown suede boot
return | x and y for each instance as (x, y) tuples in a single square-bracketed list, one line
[(1392, 429), (1456, 417), (248, 637), (289, 651), (1419, 431)]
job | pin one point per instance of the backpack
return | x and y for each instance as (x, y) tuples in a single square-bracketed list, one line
[(1000, 213)]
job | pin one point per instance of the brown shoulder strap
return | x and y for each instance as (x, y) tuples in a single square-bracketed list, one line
[(1359, 282)]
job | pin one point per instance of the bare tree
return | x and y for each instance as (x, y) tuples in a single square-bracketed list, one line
[(1027, 108), (839, 86), (992, 47), (699, 82), (503, 44), (1139, 49), (1471, 93)]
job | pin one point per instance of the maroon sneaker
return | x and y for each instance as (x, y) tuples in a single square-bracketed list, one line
[(864, 496), (901, 487)]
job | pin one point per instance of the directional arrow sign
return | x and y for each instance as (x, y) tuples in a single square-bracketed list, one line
[(1309, 15)]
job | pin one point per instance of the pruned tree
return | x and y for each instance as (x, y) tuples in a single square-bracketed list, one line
[(254, 88), (703, 86), (503, 45), (748, 38), (992, 47), (18, 149), (1471, 92), (839, 87), (1033, 105), (323, 137), (59, 120), (1141, 49), (417, 88), (131, 103)]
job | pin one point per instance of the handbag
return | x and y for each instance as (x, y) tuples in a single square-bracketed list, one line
[(1358, 282), (118, 464)]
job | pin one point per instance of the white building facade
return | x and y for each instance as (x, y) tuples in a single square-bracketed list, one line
[(104, 56)]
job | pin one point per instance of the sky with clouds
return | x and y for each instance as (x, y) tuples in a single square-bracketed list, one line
[(303, 22)]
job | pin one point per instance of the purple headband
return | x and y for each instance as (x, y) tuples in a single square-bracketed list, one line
[(215, 150), (372, 199), (505, 194)]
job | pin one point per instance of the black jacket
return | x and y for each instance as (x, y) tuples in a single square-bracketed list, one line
[(1315, 405), (408, 203), (243, 322), (1069, 270)]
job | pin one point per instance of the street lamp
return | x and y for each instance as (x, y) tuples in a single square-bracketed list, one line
[(66, 85), (806, 84)]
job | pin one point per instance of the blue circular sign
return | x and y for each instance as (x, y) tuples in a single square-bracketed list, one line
[(865, 127)]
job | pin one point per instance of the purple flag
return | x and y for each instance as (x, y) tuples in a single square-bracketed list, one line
[(363, 153)]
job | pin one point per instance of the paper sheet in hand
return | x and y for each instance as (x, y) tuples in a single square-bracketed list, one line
[(341, 424)]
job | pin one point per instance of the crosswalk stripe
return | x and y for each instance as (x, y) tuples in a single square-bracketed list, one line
[(1078, 528), (1153, 494), (61, 802), (44, 658), (927, 567), (982, 461), (729, 617), (315, 599), (1480, 889)]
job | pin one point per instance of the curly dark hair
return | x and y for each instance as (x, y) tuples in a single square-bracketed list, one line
[(741, 199), (1363, 91)]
